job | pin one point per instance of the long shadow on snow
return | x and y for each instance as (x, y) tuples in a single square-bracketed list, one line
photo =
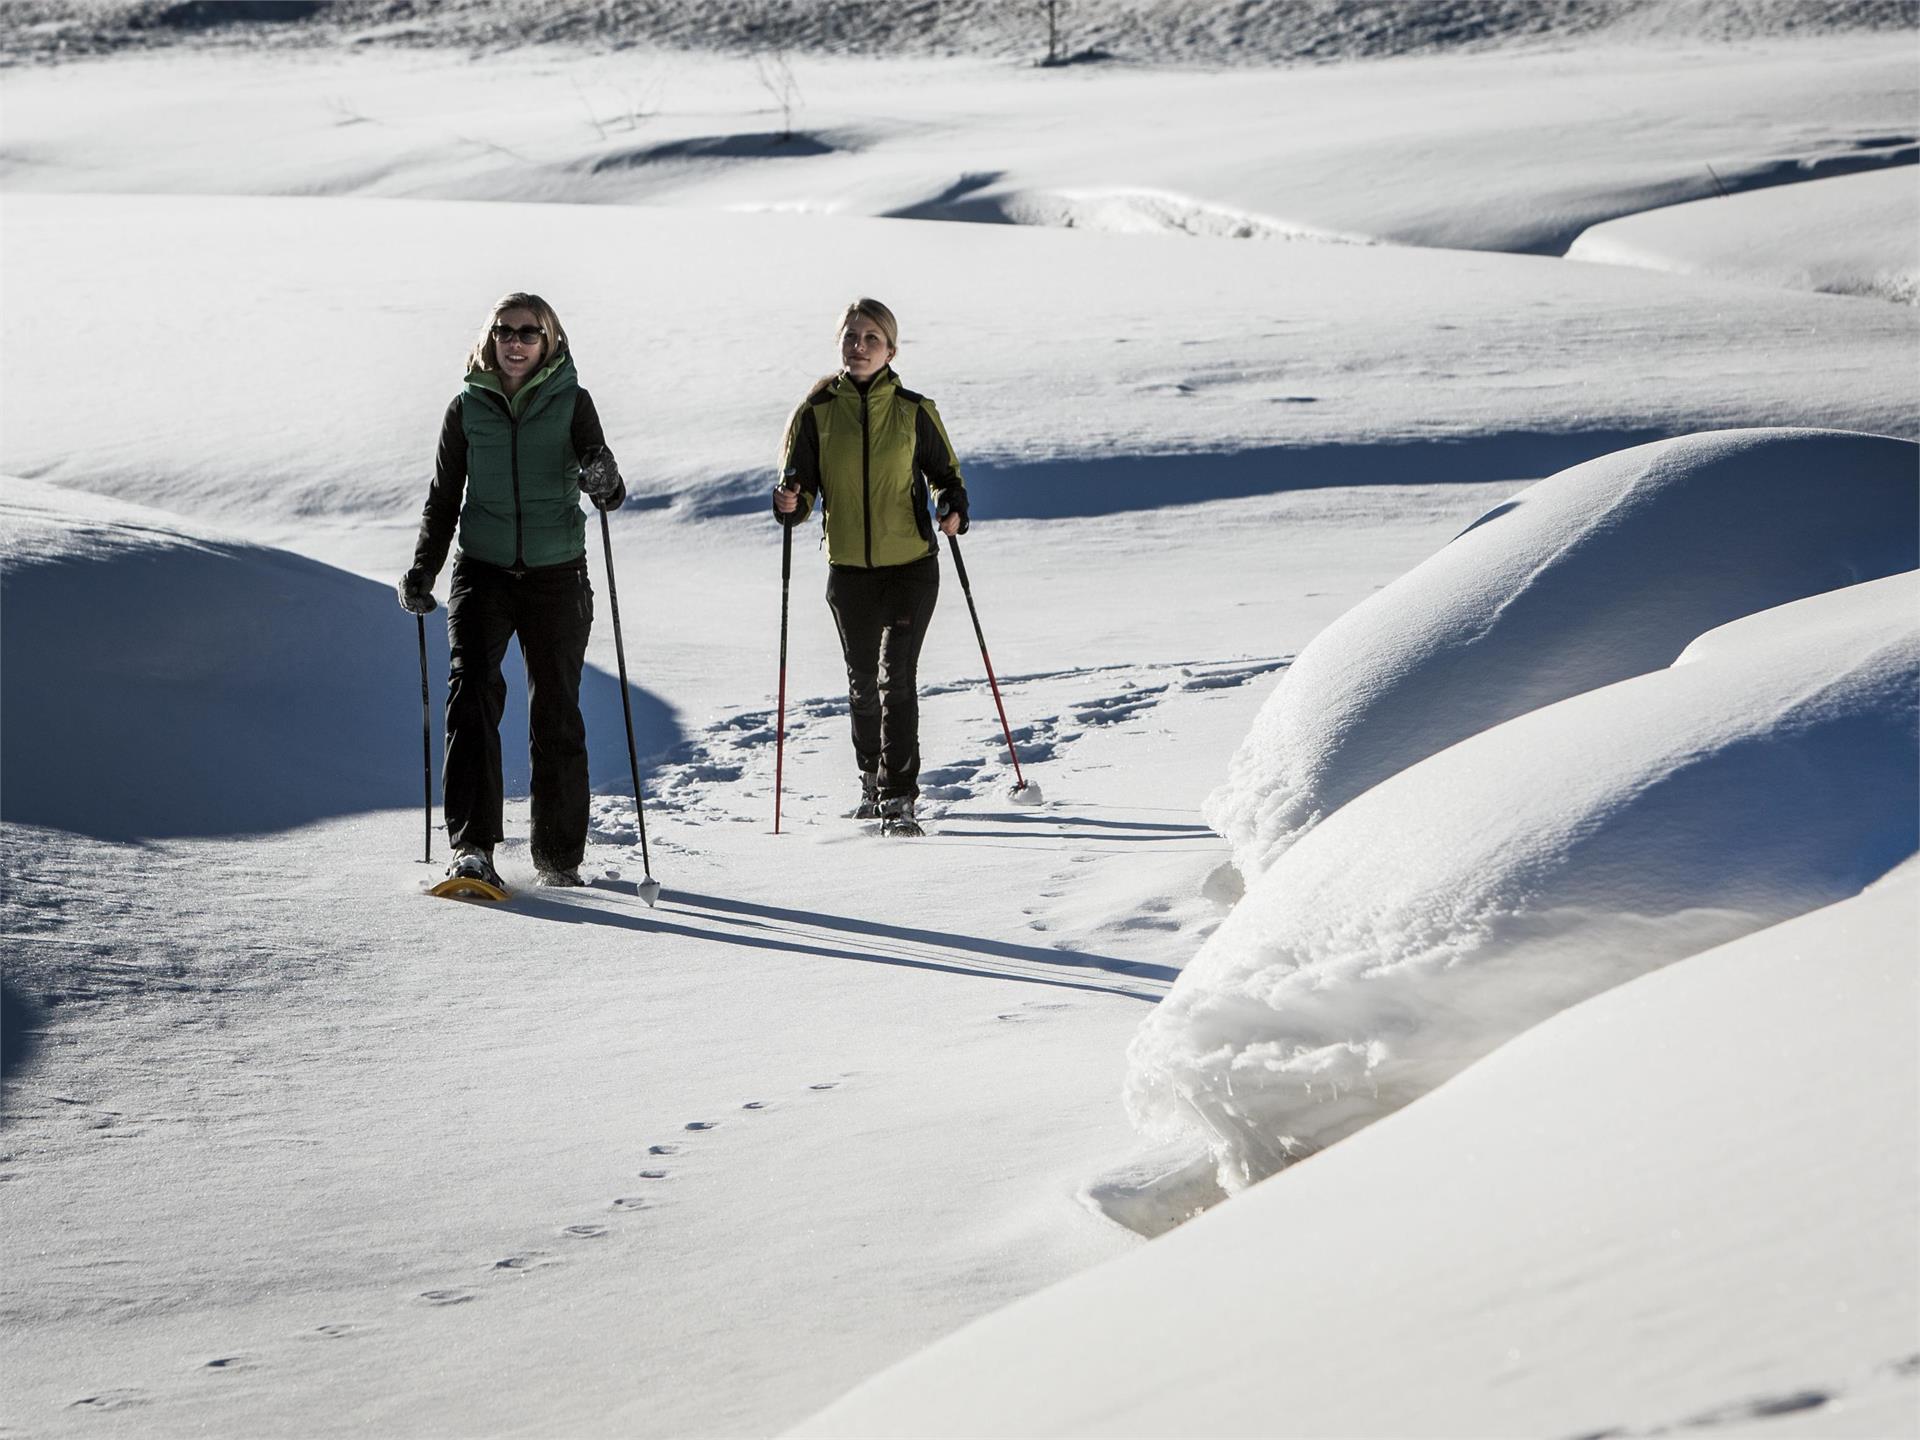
[(1157, 829), (191, 688), (757, 929), (1066, 488)]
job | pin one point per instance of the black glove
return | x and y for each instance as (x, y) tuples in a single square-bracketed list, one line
[(416, 593), (947, 508), (600, 479)]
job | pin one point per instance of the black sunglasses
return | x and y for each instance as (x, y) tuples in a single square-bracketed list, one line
[(526, 334)]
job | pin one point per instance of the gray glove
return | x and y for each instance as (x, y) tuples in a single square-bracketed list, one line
[(600, 479), (416, 593)]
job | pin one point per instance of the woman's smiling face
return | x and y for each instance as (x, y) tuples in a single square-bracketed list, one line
[(519, 345), (863, 348)]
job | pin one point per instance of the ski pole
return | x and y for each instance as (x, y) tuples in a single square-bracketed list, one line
[(1020, 783), (426, 736), (649, 887), (780, 724)]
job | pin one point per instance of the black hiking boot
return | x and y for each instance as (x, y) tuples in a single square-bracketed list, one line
[(472, 862)]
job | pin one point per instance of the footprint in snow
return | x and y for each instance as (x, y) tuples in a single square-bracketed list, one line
[(663, 1149), (702, 1124), (112, 1400), (628, 1202), (585, 1232), (335, 1332), (446, 1297), (524, 1264), (754, 1105), (1029, 1012), (824, 1085), (653, 1174), (230, 1362)]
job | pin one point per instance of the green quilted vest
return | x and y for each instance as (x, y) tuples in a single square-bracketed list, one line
[(522, 506), (876, 506)]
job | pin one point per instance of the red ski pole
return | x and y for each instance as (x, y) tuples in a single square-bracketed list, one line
[(1024, 790)]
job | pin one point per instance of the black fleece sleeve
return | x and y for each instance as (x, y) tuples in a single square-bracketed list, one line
[(803, 467), (586, 437), (441, 514), (933, 457)]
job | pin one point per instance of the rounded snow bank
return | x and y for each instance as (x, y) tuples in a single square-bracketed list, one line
[(165, 679), (1848, 235), (1598, 573), (1683, 1207), (1773, 770)]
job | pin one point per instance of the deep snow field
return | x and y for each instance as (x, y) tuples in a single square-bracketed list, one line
[(1451, 573)]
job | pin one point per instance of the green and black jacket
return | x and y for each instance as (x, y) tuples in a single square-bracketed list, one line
[(507, 473), (873, 457)]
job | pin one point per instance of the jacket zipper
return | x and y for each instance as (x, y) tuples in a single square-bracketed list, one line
[(866, 486), (513, 451)]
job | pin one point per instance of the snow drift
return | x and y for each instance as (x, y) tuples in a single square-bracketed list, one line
[(1601, 572), (1562, 1241), (1771, 771), (163, 678), (1850, 235)]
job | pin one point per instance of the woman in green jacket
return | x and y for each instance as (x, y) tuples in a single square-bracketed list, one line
[(873, 454), (518, 446)]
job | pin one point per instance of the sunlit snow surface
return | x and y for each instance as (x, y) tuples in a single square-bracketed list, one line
[(293, 1150), (1852, 235), (1770, 771), (1605, 571)]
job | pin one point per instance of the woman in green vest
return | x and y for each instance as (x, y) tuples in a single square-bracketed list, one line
[(873, 454), (518, 445)]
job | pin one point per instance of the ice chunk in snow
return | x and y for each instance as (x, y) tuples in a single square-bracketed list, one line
[(1539, 863), (1601, 572)]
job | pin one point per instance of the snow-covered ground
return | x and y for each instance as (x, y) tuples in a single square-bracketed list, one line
[(291, 1149), (1851, 235)]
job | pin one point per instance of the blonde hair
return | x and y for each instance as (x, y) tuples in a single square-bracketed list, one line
[(481, 357), (879, 314)]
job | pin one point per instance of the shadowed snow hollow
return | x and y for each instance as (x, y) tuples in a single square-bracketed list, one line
[(1601, 572), (165, 679), (1466, 899)]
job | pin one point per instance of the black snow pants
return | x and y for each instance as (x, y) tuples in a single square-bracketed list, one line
[(883, 615), (551, 611)]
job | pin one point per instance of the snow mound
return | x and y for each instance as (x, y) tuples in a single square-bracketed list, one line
[(164, 679), (1598, 573), (1565, 1240), (1555, 856), (1852, 235)]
